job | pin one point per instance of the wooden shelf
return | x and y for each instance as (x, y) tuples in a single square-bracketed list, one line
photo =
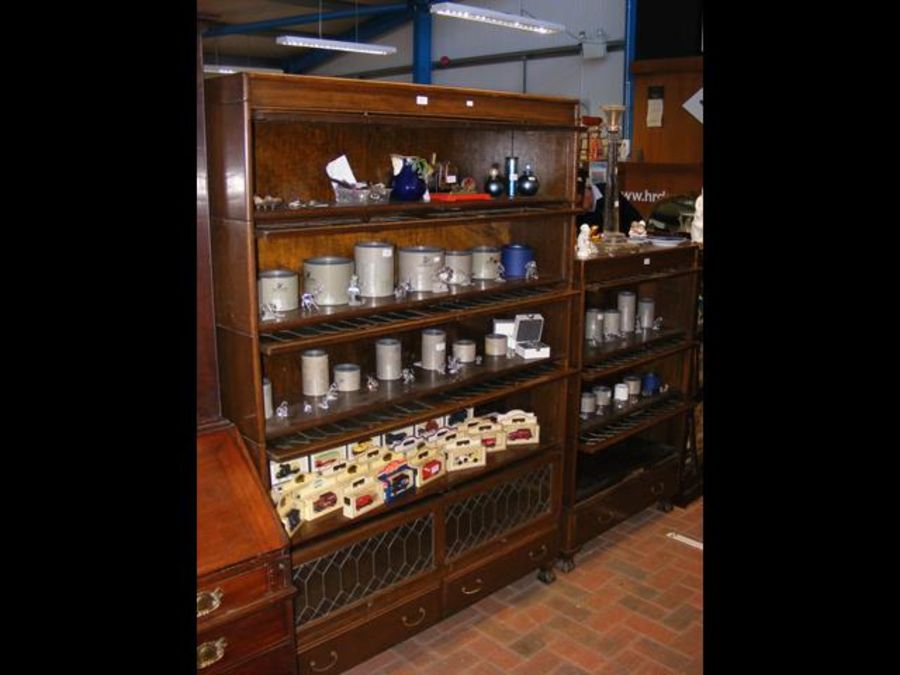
[(631, 352), (616, 427), (361, 218), (362, 426), (593, 287), (333, 522), (389, 321), (422, 302)]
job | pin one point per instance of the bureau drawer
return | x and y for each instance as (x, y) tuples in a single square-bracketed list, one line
[(279, 661), (228, 594), (603, 511), (645, 262), (227, 643), (379, 632), (472, 585)]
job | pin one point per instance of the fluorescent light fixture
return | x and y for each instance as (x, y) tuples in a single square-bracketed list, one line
[(335, 45), (457, 11), (228, 70)]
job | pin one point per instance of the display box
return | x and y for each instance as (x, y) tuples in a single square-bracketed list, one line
[(426, 429), (391, 438), (464, 453), (291, 485), (442, 436), (360, 448), (410, 445), (429, 465), (521, 427), (289, 512), (361, 496), (460, 416), (527, 333), (322, 460), (378, 464), (398, 478), (506, 327), (279, 472), (321, 497), (344, 472), (490, 434)]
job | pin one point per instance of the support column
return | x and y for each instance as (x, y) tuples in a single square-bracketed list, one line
[(630, 43), (422, 42)]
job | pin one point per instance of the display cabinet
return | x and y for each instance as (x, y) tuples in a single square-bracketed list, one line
[(368, 581), (630, 454)]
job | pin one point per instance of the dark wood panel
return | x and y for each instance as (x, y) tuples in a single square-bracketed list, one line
[(235, 519), (230, 177), (221, 596), (239, 366), (208, 407), (282, 660), (248, 635), (632, 265), (234, 269)]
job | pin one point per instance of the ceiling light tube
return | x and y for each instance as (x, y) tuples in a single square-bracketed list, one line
[(228, 70), (335, 45), (457, 11)]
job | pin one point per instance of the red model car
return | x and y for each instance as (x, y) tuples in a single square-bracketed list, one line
[(489, 442), (327, 500), (519, 434), (430, 469), (364, 500)]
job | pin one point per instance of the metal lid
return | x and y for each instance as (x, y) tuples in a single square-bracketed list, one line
[(328, 260), (627, 293), (314, 352), (610, 311), (374, 244), (388, 342), (495, 336), (346, 367), (517, 246), (276, 274), (433, 331), (464, 342), (422, 249), (458, 253), (485, 249)]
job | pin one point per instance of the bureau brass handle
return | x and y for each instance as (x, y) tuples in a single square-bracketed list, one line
[(334, 658), (658, 488), (210, 652), (539, 553), (410, 624), (209, 601), (474, 590)]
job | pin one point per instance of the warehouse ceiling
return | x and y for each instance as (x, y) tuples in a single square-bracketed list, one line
[(258, 48)]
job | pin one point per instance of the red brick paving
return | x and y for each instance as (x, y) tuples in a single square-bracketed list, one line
[(632, 606)]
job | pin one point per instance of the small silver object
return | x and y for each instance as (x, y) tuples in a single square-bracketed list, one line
[(658, 323), (531, 272), (324, 404), (402, 289), (282, 409), (501, 272), (407, 375), (477, 360), (353, 290), (307, 408), (269, 312), (308, 302), (371, 383), (453, 365), (296, 204), (332, 394)]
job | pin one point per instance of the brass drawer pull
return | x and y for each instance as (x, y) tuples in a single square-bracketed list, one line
[(658, 488), (210, 652), (542, 551), (209, 601), (474, 590), (410, 624), (334, 658)]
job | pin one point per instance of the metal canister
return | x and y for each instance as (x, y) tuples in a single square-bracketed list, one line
[(485, 262), (514, 258), (279, 288), (434, 349), (346, 376), (603, 394), (314, 372), (620, 393), (593, 325), (328, 278), (626, 302), (419, 265), (588, 403), (634, 386), (464, 350), (646, 313), (387, 359), (461, 264), (611, 325), (374, 268), (267, 398), (495, 344)]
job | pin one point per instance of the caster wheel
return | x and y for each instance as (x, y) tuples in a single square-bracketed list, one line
[(665, 505), (566, 564), (547, 576)]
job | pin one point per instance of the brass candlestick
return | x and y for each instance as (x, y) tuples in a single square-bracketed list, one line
[(611, 231)]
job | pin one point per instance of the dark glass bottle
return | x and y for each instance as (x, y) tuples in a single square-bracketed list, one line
[(494, 185), (528, 183)]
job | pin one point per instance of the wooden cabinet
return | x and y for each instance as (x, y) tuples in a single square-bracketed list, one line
[(630, 456), (368, 582)]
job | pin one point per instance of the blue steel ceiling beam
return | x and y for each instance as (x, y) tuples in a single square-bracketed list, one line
[(421, 66), (368, 31), (298, 19), (630, 42)]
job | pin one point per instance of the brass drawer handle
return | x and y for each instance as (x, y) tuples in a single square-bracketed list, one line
[(210, 652), (474, 590), (410, 624), (542, 551), (334, 658), (209, 601), (658, 488)]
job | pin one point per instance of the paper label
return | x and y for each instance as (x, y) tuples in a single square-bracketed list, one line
[(646, 261), (470, 103), (387, 252), (421, 100), (440, 346), (450, 179)]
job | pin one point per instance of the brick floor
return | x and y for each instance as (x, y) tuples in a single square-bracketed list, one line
[(632, 605)]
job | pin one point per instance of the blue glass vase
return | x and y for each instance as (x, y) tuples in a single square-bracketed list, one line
[(408, 186)]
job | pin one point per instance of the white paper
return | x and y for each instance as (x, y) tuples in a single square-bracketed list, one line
[(654, 112), (694, 105), (339, 169)]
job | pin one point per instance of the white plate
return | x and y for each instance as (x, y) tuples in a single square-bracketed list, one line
[(657, 241)]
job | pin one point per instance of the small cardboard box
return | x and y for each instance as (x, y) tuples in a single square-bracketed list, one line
[(344, 472), (490, 434), (521, 427), (464, 453), (290, 513), (321, 460), (321, 497), (442, 436), (398, 479), (429, 428), (409, 446), (527, 335), (385, 457), (429, 465), (290, 486), (281, 472), (391, 438), (455, 418), (355, 450), (361, 496)]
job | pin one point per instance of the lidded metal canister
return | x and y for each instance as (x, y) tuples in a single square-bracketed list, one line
[(374, 268), (328, 278)]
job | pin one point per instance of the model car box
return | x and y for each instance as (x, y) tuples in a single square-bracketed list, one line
[(429, 465), (490, 434), (398, 478), (280, 472), (321, 497), (361, 496), (521, 427), (464, 453), (321, 460)]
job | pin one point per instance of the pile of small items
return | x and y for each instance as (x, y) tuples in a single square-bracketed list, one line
[(362, 476)]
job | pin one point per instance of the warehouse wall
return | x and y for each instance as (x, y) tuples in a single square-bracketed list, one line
[(594, 82)]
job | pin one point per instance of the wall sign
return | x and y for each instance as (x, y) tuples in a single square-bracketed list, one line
[(694, 105), (655, 96)]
